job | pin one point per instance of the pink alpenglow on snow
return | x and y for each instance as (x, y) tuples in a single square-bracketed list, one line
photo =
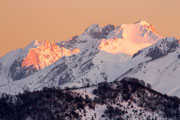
[(130, 38)]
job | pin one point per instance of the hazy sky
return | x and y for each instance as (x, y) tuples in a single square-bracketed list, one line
[(22, 21)]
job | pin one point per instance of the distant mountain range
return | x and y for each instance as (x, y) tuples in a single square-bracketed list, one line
[(99, 54)]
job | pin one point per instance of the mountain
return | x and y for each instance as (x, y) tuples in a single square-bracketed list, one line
[(98, 54), (127, 99), (45, 54), (162, 69), (138, 36)]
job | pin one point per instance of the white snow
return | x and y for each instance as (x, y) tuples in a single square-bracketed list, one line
[(95, 64)]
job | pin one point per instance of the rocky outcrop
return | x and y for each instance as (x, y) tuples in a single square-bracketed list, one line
[(46, 54)]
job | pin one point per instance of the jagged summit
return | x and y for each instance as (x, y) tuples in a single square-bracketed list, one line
[(103, 54), (45, 54), (116, 40), (97, 32)]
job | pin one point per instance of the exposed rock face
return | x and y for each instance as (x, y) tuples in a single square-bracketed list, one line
[(17, 73), (159, 49), (0, 67), (97, 32), (46, 54), (43, 54), (162, 48)]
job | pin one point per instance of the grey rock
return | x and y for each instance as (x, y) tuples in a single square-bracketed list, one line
[(17, 72)]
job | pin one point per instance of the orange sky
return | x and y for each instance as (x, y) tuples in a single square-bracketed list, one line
[(22, 21)]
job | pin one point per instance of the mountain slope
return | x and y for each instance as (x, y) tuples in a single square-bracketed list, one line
[(161, 71), (97, 55), (124, 100)]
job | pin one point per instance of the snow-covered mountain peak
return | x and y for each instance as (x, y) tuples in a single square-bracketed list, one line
[(104, 54), (116, 40), (132, 31), (130, 38)]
